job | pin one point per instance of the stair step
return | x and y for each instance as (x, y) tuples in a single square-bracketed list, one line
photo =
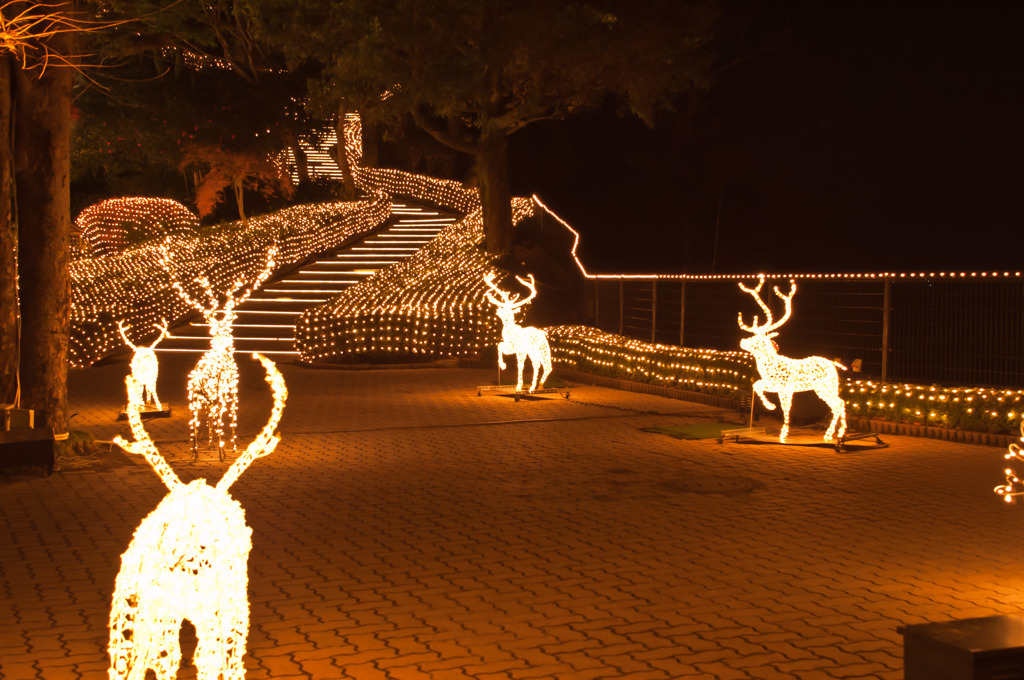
[(266, 321)]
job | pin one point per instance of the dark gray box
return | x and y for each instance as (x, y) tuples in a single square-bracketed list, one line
[(987, 648)]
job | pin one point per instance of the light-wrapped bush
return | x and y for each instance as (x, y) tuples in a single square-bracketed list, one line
[(131, 286)]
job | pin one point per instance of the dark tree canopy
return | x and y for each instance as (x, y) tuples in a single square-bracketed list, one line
[(471, 73)]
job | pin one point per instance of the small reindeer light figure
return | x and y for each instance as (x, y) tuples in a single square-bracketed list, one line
[(213, 383), (785, 376), (1013, 487), (144, 366), (515, 339), (188, 560)]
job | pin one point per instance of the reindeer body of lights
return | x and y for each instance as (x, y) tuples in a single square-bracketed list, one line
[(187, 560), (785, 376), (213, 383), (519, 340), (144, 367)]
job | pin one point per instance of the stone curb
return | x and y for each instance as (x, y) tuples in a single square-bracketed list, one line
[(646, 388), (931, 432), (864, 424)]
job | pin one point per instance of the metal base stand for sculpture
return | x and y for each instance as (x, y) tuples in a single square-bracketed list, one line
[(148, 413), (510, 390), (798, 436)]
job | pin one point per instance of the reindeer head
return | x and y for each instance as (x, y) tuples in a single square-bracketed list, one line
[(219, 315), (263, 445), (760, 342), (162, 327), (507, 304)]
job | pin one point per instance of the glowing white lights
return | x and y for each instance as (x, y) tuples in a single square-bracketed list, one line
[(785, 376), (110, 226), (524, 342), (145, 368), (1013, 487), (187, 560), (131, 285), (213, 383)]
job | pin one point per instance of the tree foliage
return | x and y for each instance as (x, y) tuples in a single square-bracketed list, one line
[(471, 73), (220, 170)]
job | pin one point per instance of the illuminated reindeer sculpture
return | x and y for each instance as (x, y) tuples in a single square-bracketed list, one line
[(213, 383), (187, 560), (785, 376), (515, 339), (145, 367)]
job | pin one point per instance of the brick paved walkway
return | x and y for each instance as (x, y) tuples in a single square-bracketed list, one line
[(406, 528)]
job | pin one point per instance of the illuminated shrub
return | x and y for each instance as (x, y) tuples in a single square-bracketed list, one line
[(132, 286), (699, 370), (118, 223)]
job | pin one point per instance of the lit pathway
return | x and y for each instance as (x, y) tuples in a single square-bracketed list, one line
[(406, 529), (266, 322)]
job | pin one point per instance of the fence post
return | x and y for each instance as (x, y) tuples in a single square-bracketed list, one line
[(622, 308), (886, 318), (654, 310), (597, 304), (682, 310)]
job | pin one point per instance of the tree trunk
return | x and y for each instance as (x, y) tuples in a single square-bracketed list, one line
[(371, 145), (348, 182), (301, 162), (8, 243), (42, 173), (237, 185), (495, 193)]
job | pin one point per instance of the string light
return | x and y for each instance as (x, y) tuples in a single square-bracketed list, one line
[(1013, 486), (131, 285), (524, 342), (187, 560), (145, 367), (110, 226), (699, 370), (213, 383), (785, 376)]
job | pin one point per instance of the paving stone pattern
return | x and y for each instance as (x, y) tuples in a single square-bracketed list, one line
[(407, 528)]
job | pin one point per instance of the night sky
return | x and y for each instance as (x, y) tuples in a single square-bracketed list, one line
[(862, 137)]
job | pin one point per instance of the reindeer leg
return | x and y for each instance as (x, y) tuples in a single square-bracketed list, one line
[(786, 399), (838, 406), (759, 390), (502, 351), (545, 363), (193, 429), (520, 360)]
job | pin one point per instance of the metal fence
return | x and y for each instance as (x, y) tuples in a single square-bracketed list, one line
[(949, 330)]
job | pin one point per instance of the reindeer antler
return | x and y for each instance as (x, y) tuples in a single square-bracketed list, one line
[(124, 336), (769, 325), (266, 441), (233, 301), (532, 285), (489, 280), (163, 332), (144, 444), (172, 273)]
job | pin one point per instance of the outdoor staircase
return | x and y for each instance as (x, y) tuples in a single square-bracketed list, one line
[(266, 321)]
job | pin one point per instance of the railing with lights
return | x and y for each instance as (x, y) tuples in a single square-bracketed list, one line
[(944, 327)]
